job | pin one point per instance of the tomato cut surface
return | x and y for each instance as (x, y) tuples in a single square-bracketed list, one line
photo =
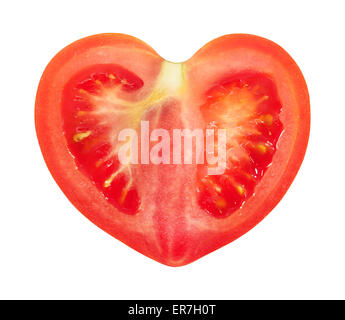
[(173, 159)]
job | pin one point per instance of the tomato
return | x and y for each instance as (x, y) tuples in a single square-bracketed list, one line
[(174, 159)]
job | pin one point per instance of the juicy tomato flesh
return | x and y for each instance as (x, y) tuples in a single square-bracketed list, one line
[(100, 101), (90, 114), (247, 106)]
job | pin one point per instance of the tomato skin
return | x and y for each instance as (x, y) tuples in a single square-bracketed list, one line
[(177, 243)]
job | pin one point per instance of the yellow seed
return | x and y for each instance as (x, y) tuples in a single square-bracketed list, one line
[(82, 91), (123, 195), (240, 189), (108, 182), (80, 113), (218, 188), (267, 119), (98, 163), (81, 135), (111, 76), (261, 148), (221, 203)]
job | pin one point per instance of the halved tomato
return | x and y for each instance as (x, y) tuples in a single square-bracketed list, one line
[(127, 137)]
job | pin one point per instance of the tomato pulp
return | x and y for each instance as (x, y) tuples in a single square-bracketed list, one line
[(173, 159)]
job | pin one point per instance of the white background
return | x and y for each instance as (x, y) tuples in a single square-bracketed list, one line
[(49, 250)]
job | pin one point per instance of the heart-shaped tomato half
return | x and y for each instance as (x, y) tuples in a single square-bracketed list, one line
[(173, 159)]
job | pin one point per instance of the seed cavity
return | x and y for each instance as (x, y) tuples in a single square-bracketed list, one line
[(247, 106)]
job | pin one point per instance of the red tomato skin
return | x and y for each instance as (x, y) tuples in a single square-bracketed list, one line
[(176, 243)]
